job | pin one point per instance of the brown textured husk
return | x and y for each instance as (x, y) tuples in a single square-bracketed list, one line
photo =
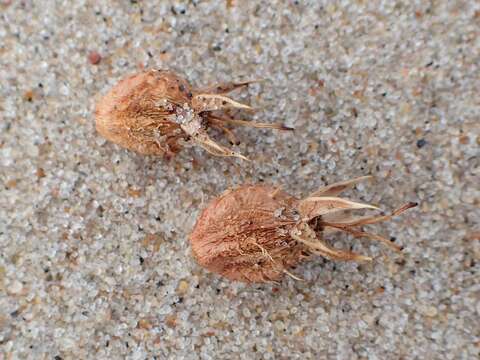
[(129, 115), (257, 233), (239, 236), (151, 112)]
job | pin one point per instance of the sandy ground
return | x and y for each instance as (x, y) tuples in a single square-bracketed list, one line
[(94, 257)]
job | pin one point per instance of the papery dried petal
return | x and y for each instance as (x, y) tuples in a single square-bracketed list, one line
[(317, 206), (338, 187)]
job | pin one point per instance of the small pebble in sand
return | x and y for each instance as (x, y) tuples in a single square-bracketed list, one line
[(421, 143), (94, 58)]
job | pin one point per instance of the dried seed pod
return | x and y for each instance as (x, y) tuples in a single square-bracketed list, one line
[(154, 112), (256, 233)]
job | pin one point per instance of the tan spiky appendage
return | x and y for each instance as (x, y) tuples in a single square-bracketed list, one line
[(326, 211), (208, 102), (257, 233)]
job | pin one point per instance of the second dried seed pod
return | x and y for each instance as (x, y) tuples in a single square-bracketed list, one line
[(256, 233)]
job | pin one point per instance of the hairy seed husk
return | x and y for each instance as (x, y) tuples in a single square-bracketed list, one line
[(258, 233), (155, 112)]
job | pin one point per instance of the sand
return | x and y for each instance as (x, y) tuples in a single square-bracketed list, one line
[(94, 257)]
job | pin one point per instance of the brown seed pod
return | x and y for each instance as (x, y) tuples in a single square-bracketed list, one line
[(256, 233), (155, 112)]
